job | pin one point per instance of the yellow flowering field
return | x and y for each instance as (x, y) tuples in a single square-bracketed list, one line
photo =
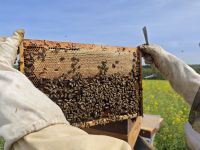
[(159, 98)]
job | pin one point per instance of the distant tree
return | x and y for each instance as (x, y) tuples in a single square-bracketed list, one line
[(148, 70)]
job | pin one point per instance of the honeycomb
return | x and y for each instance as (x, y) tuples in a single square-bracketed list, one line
[(92, 84)]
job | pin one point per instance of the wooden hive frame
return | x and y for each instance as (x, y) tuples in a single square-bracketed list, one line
[(97, 53)]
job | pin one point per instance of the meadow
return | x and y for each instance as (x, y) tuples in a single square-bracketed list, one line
[(159, 98), (1, 144)]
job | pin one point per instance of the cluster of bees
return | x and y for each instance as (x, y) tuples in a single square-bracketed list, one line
[(92, 98)]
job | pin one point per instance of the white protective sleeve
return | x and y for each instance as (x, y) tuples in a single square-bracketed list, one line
[(66, 137), (23, 108), (182, 78), (29, 120)]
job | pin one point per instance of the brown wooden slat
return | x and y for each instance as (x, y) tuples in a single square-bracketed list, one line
[(104, 121), (130, 128), (134, 130), (21, 53), (90, 56)]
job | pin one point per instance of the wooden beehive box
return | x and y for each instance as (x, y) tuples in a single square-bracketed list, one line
[(93, 84)]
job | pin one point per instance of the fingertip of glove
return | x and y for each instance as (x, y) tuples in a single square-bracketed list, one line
[(20, 32), (143, 46)]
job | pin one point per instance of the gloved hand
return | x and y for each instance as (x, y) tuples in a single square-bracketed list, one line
[(23, 108), (182, 77), (9, 45)]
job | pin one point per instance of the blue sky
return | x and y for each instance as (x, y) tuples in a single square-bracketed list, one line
[(173, 24)]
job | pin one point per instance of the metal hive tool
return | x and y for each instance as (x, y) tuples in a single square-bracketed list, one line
[(93, 84)]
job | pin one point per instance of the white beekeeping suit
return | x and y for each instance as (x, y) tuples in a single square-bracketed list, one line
[(184, 81), (29, 120)]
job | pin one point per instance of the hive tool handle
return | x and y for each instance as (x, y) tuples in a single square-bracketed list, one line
[(145, 35)]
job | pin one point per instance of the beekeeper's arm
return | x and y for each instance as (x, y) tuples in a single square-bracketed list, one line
[(182, 78), (23, 108), (29, 120)]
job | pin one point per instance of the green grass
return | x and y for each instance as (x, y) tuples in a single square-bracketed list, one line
[(159, 98), (1, 144)]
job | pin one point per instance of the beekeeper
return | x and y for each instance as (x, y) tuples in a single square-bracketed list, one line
[(29, 120), (184, 81)]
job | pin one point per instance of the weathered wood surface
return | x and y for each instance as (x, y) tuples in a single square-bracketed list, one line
[(134, 130), (127, 130), (150, 125)]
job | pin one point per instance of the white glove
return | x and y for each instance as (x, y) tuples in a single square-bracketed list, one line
[(8, 47), (182, 77), (23, 108)]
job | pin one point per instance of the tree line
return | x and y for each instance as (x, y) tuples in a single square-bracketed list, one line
[(150, 72)]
